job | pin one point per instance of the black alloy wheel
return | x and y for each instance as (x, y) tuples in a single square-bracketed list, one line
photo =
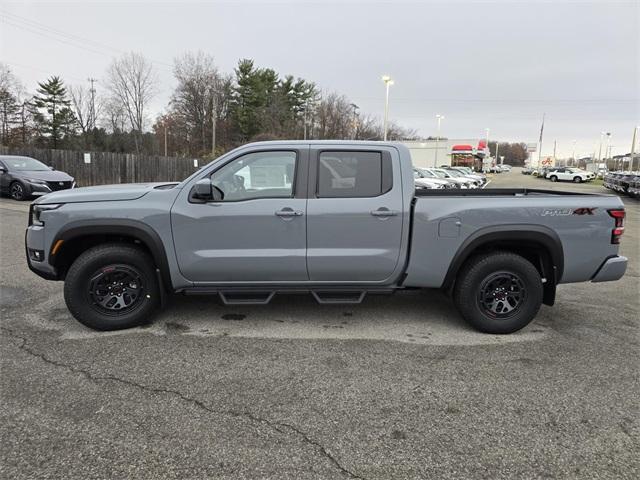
[(501, 295), (116, 289), (17, 191)]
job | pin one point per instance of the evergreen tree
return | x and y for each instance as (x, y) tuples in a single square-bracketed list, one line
[(53, 115)]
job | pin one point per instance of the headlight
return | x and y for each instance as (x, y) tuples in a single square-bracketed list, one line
[(36, 211), (36, 181)]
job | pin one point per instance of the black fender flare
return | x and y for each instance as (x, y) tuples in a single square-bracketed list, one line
[(125, 227), (519, 234)]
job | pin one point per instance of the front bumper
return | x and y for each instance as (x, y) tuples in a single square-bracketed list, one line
[(34, 242), (612, 269)]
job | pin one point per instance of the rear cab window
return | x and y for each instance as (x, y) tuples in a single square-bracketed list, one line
[(353, 174)]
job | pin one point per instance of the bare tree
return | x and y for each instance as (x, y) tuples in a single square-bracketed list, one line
[(81, 104), (114, 118), (196, 95), (132, 83), (11, 102)]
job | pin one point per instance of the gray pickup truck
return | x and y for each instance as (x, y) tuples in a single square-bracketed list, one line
[(336, 219)]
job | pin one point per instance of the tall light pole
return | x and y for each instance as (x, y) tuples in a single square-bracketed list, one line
[(486, 131), (602, 134), (633, 147), (388, 82), (573, 155), (439, 118)]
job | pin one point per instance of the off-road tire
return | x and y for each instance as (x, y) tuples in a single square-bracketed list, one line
[(469, 287), (81, 301)]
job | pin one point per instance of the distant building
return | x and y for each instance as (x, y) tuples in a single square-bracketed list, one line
[(456, 152)]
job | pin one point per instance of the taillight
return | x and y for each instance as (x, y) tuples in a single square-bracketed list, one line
[(618, 217)]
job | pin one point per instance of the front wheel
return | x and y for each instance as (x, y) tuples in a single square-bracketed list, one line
[(111, 287), (17, 191), (553, 178), (499, 292), (577, 180)]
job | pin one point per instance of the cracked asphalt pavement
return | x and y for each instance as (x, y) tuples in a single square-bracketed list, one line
[(397, 387)]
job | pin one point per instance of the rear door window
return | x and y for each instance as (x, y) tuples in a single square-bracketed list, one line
[(351, 174)]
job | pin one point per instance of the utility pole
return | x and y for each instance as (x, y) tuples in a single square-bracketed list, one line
[(541, 132), (355, 120), (23, 120), (555, 145), (573, 155), (92, 108), (214, 108), (165, 137), (633, 147)]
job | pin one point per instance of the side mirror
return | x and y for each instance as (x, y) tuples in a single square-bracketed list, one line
[(51, 168), (205, 190), (3, 170), (202, 189)]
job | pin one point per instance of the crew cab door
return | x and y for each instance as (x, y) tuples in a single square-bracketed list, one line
[(354, 214), (257, 232)]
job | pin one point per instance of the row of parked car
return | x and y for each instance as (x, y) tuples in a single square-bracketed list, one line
[(623, 182), (448, 178), (498, 168), (561, 174)]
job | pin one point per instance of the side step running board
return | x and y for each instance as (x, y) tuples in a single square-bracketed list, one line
[(249, 296), (229, 297), (338, 296)]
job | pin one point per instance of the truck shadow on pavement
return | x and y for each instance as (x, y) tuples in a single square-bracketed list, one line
[(414, 317)]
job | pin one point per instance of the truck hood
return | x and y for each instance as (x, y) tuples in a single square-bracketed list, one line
[(103, 193)]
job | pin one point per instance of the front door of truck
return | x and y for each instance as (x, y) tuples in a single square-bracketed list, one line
[(354, 214), (257, 232)]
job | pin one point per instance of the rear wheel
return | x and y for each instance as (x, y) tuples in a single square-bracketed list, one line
[(110, 287), (553, 178), (17, 191), (498, 293), (577, 180)]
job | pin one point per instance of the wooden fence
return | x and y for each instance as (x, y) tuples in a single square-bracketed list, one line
[(110, 168)]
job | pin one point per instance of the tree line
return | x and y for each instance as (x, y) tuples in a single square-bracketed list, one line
[(514, 153), (209, 112)]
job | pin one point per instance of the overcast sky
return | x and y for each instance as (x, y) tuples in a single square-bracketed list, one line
[(497, 65)]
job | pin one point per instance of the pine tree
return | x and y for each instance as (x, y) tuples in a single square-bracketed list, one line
[(53, 114)]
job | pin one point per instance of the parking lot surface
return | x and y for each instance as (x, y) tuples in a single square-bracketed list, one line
[(397, 387)]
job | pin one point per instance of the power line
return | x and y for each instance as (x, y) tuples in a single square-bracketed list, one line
[(67, 38)]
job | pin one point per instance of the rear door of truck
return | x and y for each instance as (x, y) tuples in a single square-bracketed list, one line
[(354, 213)]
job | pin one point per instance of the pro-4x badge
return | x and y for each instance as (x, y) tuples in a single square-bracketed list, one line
[(584, 211), (560, 212)]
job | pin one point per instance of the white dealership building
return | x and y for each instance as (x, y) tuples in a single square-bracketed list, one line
[(459, 152)]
